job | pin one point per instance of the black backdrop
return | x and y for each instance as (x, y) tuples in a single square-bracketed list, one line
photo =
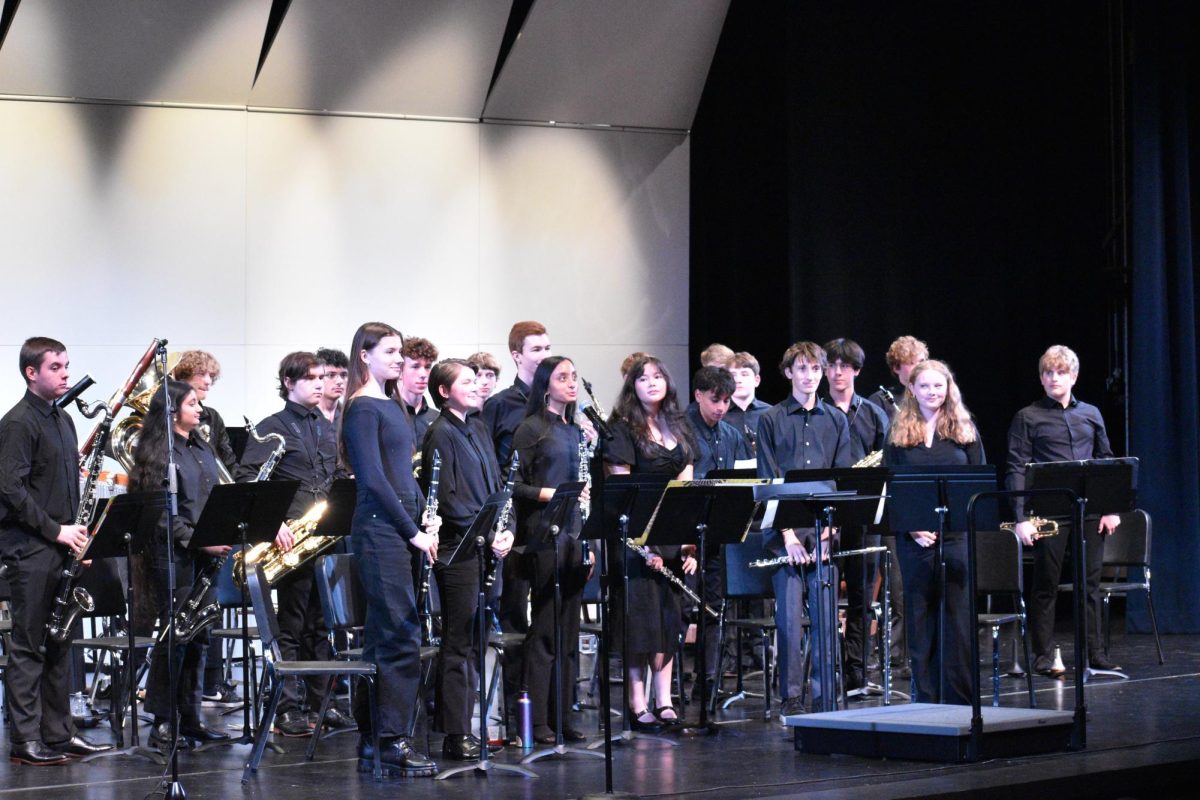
[(934, 169)]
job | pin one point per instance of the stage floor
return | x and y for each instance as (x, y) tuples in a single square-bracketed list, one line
[(1143, 742)]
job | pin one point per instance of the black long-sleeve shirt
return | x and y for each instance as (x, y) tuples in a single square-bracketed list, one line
[(549, 452), (868, 425), (421, 417), (468, 475), (718, 446), (196, 468), (888, 400), (745, 421), (503, 413), (379, 448), (212, 429), (1045, 431), (310, 454), (943, 452), (39, 469)]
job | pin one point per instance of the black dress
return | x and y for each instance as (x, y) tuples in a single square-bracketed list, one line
[(655, 619)]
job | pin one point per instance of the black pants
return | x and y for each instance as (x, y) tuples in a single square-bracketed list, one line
[(302, 635), (1048, 556), (189, 657), (856, 570), (37, 690), (714, 568), (392, 634), (922, 598), (539, 641), (458, 585), (514, 618)]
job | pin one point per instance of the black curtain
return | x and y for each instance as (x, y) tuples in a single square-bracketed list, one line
[(1165, 398)]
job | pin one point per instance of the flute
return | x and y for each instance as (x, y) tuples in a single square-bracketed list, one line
[(779, 560)]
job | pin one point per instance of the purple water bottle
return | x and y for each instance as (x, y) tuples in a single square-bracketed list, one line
[(525, 720)]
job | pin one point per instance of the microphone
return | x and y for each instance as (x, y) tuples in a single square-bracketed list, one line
[(74, 392)]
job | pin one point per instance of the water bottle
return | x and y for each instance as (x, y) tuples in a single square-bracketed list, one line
[(525, 720)]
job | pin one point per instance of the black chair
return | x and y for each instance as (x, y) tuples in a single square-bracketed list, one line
[(999, 566), (229, 598), (276, 670), (343, 603), (742, 583), (1126, 550)]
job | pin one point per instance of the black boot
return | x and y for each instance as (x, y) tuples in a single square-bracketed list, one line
[(399, 758)]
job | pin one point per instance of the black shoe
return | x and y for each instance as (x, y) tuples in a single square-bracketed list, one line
[(1044, 665), (334, 720), (572, 735), (78, 747), (790, 707), (1098, 660), (35, 754), (201, 733), (399, 758), (545, 737), (460, 747), (672, 721), (160, 738), (651, 725), (292, 723)]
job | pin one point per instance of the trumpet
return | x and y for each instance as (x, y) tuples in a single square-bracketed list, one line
[(763, 563), (1044, 528)]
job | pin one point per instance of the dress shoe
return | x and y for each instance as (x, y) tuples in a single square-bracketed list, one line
[(334, 720), (1044, 665), (672, 721), (1098, 660), (640, 725), (399, 758), (460, 747), (35, 754), (160, 738), (198, 731), (78, 747), (292, 723)]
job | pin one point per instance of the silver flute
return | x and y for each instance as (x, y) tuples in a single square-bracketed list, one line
[(645, 553), (779, 560)]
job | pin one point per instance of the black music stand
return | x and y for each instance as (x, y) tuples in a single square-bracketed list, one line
[(475, 543), (686, 514), (339, 514), (1104, 486), (817, 509), (124, 520), (556, 520), (627, 503), (243, 514), (937, 498)]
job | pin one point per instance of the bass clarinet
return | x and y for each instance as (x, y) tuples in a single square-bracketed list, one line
[(424, 599), (502, 521)]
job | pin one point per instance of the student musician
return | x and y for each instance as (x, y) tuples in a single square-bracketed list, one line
[(718, 446), (197, 474), (548, 442), (802, 432), (487, 372), (745, 408), (377, 444), (469, 474), (902, 355), (933, 427), (868, 434), (651, 437), (309, 457), (419, 357), (39, 498), (1059, 427), (333, 390), (201, 370), (716, 355)]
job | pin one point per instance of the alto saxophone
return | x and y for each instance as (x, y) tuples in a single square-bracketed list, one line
[(502, 521), (71, 601), (192, 617)]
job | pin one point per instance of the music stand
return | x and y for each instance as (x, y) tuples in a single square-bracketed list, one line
[(243, 514), (342, 499), (627, 503), (123, 520), (479, 537), (937, 498), (807, 508), (1103, 486)]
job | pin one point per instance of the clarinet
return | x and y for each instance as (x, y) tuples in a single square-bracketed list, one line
[(645, 553), (585, 506), (424, 598), (502, 521)]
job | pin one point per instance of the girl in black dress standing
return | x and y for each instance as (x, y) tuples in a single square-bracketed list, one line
[(548, 442), (651, 437), (933, 427)]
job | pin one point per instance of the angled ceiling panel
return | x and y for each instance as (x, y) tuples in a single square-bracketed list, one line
[(408, 57), (176, 51), (620, 62)]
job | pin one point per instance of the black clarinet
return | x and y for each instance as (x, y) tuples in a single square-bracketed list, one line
[(424, 600), (502, 521)]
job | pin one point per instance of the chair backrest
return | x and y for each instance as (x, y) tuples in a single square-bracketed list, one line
[(998, 562), (229, 595), (1129, 545), (342, 599), (264, 612), (742, 581)]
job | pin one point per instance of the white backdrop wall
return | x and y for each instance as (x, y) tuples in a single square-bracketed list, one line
[(250, 234)]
